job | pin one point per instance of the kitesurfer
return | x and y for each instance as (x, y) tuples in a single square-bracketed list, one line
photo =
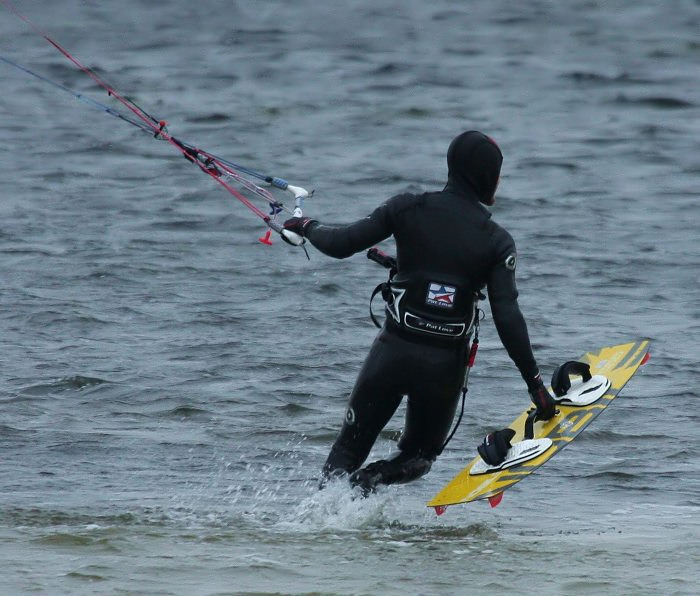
[(448, 250)]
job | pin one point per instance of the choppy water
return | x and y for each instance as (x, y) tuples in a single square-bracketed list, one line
[(170, 387)]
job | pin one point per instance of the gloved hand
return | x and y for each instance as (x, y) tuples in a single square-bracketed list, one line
[(544, 402), (298, 225), (495, 446)]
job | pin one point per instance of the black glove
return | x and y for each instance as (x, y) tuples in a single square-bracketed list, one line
[(495, 446), (544, 402), (298, 225)]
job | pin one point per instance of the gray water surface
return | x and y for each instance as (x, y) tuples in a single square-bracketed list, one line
[(171, 387)]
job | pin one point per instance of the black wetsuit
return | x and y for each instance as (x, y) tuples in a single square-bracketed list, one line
[(448, 249)]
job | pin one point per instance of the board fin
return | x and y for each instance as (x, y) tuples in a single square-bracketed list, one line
[(495, 500)]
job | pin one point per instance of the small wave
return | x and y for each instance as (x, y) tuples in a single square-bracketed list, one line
[(216, 117), (79, 382), (415, 112), (294, 409), (595, 77), (241, 37), (156, 44), (623, 435), (88, 577), (548, 163), (179, 225), (661, 102), (103, 275), (46, 318), (217, 318), (36, 517), (64, 71), (328, 288), (60, 176), (35, 249), (93, 537), (186, 412), (65, 539), (611, 474), (10, 431), (66, 384), (448, 15), (389, 68)]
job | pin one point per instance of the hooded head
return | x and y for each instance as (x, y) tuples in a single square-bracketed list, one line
[(474, 161)]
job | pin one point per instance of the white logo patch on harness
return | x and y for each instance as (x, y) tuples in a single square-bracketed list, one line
[(441, 295)]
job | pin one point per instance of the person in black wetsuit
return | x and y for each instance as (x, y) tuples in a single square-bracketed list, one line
[(448, 249)]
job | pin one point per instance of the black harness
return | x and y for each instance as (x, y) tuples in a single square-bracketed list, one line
[(393, 292)]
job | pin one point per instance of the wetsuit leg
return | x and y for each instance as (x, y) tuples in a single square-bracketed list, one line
[(435, 377), (374, 399), (432, 403)]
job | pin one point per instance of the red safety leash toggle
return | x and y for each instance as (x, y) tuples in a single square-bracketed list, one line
[(266, 238)]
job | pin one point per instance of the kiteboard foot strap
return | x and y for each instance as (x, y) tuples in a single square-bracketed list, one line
[(519, 453)]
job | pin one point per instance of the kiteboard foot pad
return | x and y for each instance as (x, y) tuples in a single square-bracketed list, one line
[(519, 453), (584, 394)]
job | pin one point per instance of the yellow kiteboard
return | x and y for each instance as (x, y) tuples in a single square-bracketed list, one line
[(535, 441)]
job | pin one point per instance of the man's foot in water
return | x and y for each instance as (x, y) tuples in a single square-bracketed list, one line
[(368, 478)]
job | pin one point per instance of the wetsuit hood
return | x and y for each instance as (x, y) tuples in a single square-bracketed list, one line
[(474, 165)]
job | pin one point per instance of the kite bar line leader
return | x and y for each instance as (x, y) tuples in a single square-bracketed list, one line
[(217, 168)]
